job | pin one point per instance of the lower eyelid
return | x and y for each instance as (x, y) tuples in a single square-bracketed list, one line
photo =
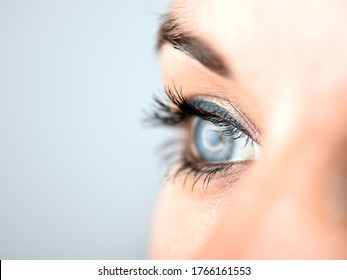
[(208, 178), (200, 173)]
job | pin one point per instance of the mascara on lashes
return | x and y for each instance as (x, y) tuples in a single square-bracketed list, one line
[(216, 114), (176, 109)]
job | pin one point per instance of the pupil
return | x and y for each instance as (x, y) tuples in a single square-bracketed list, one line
[(214, 139)]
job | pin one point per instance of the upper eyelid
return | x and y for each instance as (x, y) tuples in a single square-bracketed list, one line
[(176, 108), (237, 114), (247, 126), (220, 114)]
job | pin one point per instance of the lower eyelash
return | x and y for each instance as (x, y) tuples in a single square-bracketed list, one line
[(174, 152), (199, 172)]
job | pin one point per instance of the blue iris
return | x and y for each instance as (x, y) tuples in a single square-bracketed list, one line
[(211, 142)]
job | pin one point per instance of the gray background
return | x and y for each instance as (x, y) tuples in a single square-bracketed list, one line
[(78, 172)]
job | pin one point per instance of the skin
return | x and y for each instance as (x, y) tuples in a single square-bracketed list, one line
[(288, 65)]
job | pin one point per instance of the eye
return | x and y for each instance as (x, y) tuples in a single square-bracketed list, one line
[(216, 134), (219, 144)]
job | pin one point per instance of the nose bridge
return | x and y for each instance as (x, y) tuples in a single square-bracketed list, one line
[(294, 202), (301, 184), (308, 128)]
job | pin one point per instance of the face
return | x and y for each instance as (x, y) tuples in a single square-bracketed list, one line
[(258, 91)]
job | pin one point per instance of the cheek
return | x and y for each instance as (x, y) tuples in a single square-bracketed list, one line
[(185, 218)]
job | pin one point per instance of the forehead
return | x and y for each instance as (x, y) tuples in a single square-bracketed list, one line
[(291, 39), (242, 19)]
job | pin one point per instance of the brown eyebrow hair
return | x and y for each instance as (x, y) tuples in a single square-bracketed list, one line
[(172, 31)]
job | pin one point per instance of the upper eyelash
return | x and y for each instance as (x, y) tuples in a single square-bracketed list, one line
[(165, 114)]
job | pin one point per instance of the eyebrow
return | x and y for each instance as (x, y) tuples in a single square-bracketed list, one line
[(172, 31)]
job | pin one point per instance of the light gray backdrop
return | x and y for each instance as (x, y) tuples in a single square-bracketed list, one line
[(78, 172)]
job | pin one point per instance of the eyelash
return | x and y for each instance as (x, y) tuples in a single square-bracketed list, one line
[(172, 110)]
